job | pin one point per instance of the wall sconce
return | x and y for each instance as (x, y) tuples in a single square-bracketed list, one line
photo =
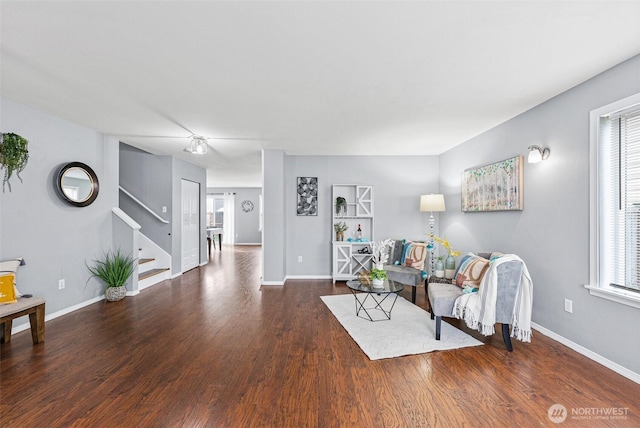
[(537, 154)]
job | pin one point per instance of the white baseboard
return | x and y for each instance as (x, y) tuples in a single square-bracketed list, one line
[(589, 354), (249, 243), (271, 282), (294, 277), (27, 326)]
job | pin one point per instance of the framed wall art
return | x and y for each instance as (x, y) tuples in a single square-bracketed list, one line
[(307, 196), (493, 187)]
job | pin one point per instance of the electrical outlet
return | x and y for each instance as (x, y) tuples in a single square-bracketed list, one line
[(568, 305), (299, 259), (61, 284), (164, 209)]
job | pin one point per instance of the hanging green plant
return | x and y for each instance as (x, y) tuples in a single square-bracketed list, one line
[(14, 155)]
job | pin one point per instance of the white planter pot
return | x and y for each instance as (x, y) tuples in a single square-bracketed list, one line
[(448, 273), (439, 273), (377, 283)]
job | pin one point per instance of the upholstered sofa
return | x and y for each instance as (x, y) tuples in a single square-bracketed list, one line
[(412, 274), (506, 280)]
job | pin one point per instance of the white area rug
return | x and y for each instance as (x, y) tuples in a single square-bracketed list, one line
[(409, 331)]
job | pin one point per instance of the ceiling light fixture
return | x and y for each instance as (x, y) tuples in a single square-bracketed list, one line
[(537, 154), (198, 145)]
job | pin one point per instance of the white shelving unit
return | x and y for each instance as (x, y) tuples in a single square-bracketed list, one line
[(347, 260)]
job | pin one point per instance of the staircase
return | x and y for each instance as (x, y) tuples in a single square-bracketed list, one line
[(153, 263), (147, 269)]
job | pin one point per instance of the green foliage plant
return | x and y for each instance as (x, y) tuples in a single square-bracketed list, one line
[(340, 226), (341, 205), (14, 155), (114, 269), (378, 274)]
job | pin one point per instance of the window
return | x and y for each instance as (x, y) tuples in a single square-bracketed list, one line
[(215, 210), (615, 201)]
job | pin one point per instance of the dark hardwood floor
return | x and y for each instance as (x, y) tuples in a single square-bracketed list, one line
[(213, 348)]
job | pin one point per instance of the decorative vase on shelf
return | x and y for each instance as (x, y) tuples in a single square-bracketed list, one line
[(439, 269), (339, 236), (449, 267)]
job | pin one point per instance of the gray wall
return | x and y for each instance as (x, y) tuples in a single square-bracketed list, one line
[(56, 239), (398, 182), (246, 224), (157, 181), (552, 233), (148, 178)]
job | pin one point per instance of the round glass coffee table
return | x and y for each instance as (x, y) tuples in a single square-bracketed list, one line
[(379, 301)]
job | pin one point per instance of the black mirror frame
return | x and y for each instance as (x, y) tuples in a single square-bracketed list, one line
[(94, 184)]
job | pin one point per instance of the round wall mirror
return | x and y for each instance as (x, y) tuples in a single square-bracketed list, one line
[(77, 184)]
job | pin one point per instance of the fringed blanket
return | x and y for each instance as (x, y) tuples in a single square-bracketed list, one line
[(478, 310)]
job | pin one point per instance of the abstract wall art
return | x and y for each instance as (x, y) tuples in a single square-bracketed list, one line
[(493, 187), (307, 196)]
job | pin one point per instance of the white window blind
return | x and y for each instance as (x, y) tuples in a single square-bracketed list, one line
[(620, 199)]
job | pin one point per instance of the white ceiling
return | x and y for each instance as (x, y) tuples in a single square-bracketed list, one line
[(309, 77)]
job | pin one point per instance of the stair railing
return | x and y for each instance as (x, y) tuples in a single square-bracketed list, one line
[(136, 200)]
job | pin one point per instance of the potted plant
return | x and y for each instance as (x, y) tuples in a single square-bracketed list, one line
[(340, 227), (114, 269), (378, 276), (14, 155), (341, 206), (380, 253)]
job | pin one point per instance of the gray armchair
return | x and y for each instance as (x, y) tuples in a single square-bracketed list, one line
[(443, 294), (405, 275)]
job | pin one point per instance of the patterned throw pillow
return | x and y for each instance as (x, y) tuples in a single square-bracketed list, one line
[(462, 260), (414, 254), (11, 266), (471, 271), (7, 290)]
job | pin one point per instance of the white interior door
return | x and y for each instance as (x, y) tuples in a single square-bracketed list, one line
[(190, 225)]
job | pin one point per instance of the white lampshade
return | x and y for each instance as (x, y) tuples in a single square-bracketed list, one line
[(432, 203), (535, 156)]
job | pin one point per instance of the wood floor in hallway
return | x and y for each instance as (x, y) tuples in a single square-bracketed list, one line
[(214, 348)]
